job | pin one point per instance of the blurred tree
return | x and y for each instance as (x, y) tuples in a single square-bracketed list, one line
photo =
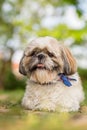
[(23, 19), (62, 32)]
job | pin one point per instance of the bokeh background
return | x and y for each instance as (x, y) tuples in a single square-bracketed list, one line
[(23, 20)]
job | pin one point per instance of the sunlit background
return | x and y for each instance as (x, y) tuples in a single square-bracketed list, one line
[(23, 20)]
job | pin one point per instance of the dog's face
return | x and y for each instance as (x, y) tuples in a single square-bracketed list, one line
[(44, 58)]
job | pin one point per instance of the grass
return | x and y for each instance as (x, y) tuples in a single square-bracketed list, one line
[(14, 117)]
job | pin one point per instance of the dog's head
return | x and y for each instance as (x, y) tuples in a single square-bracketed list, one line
[(44, 58)]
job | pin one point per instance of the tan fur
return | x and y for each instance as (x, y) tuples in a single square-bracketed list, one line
[(43, 76), (43, 60), (71, 62)]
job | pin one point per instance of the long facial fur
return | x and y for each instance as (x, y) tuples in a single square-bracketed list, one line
[(61, 61)]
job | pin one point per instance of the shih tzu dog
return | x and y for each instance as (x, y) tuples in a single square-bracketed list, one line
[(53, 82)]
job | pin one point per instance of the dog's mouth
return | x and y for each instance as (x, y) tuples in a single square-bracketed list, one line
[(38, 66), (41, 66)]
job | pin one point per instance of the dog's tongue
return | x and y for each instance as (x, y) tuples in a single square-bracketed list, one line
[(40, 65)]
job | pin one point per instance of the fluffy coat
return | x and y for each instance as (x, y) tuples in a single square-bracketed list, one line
[(43, 60)]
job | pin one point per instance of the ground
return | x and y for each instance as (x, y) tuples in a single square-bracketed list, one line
[(13, 116)]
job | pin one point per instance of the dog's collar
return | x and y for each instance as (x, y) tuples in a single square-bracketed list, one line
[(65, 79), (62, 77), (49, 83)]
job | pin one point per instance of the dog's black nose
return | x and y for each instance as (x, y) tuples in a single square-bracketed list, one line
[(41, 56)]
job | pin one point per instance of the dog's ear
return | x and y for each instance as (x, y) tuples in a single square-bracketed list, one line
[(70, 66), (21, 67)]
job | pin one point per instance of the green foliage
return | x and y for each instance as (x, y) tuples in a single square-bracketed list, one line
[(83, 74), (11, 24), (11, 82), (56, 3), (62, 32)]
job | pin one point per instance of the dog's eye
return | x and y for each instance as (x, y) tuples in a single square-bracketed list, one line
[(33, 53), (50, 54)]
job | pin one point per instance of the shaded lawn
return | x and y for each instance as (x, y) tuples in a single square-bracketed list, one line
[(14, 117)]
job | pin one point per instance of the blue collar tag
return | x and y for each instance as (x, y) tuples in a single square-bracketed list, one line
[(65, 79)]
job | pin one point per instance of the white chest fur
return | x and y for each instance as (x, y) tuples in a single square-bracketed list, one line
[(53, 97)]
